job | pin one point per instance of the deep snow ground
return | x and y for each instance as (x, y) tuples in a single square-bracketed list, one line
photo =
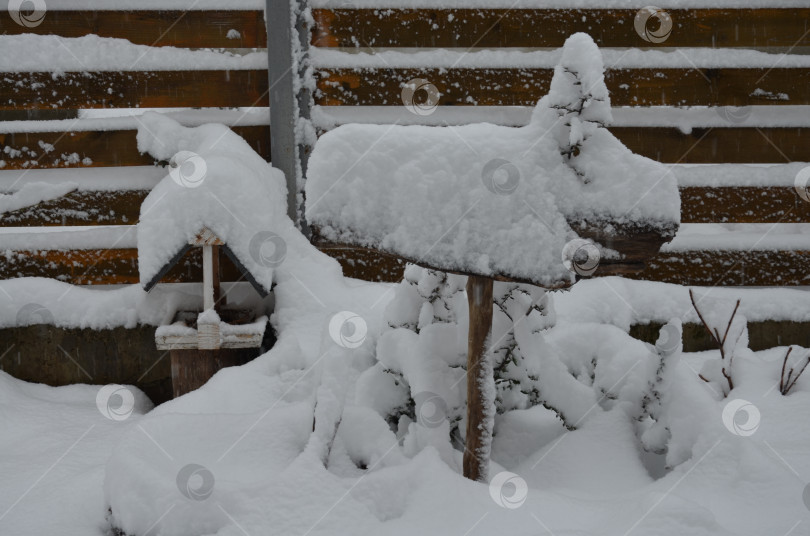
[(245, 438)]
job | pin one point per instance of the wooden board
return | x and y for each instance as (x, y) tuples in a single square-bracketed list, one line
[(733, 144), (704, 268), (102, 267), (492, 28), (189, 29), (80, 208), (730, 268), (743, 205), (108, 148), (134, 89), (666, 144), (698, 205), (524, 86)]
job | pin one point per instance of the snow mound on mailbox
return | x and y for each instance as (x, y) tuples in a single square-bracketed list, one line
[(217, 181), (487, 199)]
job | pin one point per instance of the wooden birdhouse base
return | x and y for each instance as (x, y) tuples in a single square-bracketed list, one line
[(238, 329), (191, 369), (199, 351)]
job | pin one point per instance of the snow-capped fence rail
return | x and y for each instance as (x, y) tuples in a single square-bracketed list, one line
[(756, 112)]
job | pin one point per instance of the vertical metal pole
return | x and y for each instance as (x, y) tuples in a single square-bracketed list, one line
[(208, 277), (286, 58)]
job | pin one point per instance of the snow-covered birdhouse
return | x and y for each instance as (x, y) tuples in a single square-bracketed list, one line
[(223, 198)]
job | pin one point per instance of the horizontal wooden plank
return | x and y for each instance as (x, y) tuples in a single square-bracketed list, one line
[(525, 86), (95, 148), (698, 205), (762, 335), (102, 267), (729, 145), (705, 268), (669, 145), (187, 29), (729, 268), (80, 208), (550, 27), (134, 89), (710, 268), (743, 204)]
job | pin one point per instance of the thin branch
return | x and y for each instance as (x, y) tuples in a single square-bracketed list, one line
[(782, 376), (721, 342), (730, 320), (790, 386), (700, 315)]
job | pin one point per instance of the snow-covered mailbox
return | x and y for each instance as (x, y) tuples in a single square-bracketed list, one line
[(540, 204), (221, 197)]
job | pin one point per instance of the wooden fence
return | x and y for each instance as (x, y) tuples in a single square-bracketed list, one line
[(359, 77)]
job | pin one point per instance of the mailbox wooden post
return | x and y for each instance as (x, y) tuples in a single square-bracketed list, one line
[(479, 298)]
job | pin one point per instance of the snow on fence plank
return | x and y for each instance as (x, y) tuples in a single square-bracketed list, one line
[(548, 4), (82, 145), (731, 204), (615, 59), (218, 28), (693, 268), (156, 5), (106, 266), (136, 89), (328, 117), (94, 148), (468, 25), (724, 193), (128, 119), (92, 53), (652, 86), (699, 204), (78, 208)]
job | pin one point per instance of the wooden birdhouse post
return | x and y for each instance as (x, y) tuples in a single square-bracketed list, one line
[(208, 332), (201, 343), (544, 205)]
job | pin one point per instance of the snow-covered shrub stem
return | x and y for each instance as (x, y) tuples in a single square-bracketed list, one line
[(728, 346), (786, 383)]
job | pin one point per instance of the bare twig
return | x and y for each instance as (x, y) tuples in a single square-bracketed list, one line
[(720, 341), (730, 320), (795, 378), (782, 376), (700, 315), (787, 383)]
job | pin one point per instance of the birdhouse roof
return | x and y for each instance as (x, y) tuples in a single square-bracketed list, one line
[(206, 237)]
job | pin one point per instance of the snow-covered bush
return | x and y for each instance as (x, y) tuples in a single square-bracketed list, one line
[(421, 353), (418, 382)]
